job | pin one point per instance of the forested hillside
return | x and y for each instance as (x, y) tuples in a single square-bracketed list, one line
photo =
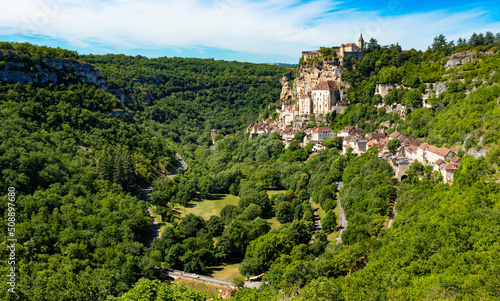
[(186, 98), (77, 157)]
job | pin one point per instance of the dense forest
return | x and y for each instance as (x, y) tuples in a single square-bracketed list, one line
[(78, 157), (186, 98)]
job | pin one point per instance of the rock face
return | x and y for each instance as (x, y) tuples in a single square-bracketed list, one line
[(459, 59), (383, 89), (49, 70), (440, 87), (286, 91), (311, 75)]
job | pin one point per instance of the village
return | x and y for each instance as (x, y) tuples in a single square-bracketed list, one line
[(318, 91)]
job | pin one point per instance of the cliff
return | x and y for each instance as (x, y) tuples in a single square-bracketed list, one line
[(309, 75), (461, 58), (25, 69)]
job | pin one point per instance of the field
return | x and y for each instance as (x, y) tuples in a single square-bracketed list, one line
[(208, 207), (226, 271), (211, 206), (211, 290)]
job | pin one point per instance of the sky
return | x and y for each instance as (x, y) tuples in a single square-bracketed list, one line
[(259, 31)]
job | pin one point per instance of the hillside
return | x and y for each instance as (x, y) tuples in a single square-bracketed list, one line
[(188, 98), (78, 152), (447, 97), (77, 157)]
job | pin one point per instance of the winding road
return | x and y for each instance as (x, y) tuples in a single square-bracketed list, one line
[(343, 220), (145, 197), (182, 164)]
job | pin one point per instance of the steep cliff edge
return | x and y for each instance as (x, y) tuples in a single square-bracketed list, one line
[(15, 68), (310, 75)]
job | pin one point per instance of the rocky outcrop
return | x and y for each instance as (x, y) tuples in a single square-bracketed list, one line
[(383, 89), (440, 88), (461, 58), (311, 75), (48, 70), (286, 91)]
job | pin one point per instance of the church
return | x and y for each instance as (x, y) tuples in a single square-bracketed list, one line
[(322, 99)]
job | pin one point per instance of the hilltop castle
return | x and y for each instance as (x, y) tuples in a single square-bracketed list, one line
[(352, 50)]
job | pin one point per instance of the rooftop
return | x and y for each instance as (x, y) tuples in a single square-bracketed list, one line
[(327, 85)]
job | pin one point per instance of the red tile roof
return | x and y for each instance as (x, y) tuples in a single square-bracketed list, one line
[(455, 159), (411, 149), (395, 134), (327, 85), (347, 129), (452, 166), (423, 146)]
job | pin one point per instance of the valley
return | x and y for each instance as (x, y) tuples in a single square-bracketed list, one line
[(366, 172)]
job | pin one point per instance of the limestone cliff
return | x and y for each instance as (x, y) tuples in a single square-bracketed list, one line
[(46, 70), (461, 58), (309, 75)]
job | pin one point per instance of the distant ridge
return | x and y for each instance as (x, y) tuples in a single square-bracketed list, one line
[(283, 65)]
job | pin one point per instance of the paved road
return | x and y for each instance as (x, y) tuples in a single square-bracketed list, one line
[(145, 196), (154, 225), (182, 164), (343, 220), (206, 279)]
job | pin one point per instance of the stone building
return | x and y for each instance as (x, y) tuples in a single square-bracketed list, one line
[(307, 55), (322, 100), (352, 50)]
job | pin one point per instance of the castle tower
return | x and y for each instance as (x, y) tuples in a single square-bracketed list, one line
[(361, 43)]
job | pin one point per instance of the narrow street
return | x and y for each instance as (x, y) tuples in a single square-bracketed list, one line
[(155, 229)]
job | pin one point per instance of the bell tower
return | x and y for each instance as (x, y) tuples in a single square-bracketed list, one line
[(361, 43)]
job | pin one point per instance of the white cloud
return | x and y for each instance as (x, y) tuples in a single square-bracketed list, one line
[(272, 27)]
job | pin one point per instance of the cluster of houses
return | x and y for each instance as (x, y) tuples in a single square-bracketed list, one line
[(355, 140)]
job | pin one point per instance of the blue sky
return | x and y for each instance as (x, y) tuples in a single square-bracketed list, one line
[(261, 31)]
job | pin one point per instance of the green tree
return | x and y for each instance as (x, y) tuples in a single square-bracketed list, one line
[(329, 223), (393, 145), (284, 212)]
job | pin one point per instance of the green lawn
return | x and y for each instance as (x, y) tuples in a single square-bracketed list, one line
[(226, 271), (274, 223), (211, 206), (270, 193)]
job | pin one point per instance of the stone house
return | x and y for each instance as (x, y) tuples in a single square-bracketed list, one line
[(322, 100), (449, 171), (353, 50), (346, 131), (321, 133)]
